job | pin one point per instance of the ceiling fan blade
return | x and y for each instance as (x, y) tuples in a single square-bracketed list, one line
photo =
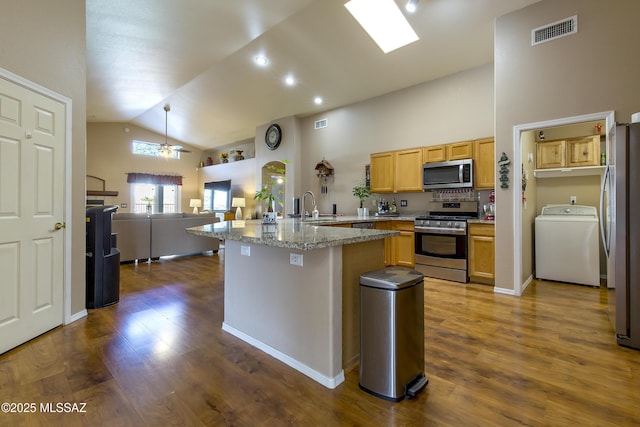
[(181, 150)]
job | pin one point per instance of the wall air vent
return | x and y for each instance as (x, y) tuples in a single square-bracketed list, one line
[(554, 30), (323, 123)]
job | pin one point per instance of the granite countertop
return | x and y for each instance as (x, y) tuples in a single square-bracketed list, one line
[(293, 233), (337, 219)]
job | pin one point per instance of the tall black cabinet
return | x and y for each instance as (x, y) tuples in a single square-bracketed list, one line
[(103, 259)]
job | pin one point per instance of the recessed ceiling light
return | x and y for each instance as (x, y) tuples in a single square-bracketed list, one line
[(384, 22), (290, 80), (411, 6), (317, 100), (261, 60)]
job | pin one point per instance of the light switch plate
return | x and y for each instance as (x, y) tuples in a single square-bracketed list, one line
[(245, 250)]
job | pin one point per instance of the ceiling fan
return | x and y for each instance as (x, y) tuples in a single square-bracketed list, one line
[(167, 150)]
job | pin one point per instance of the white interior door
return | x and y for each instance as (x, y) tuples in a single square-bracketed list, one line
[(32, 143)]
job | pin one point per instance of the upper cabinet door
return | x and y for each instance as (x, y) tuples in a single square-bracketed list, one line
[(484, 163), (550, 154), (408, 170), (583, 151), (435, 153), (460, 150), (382, 172)]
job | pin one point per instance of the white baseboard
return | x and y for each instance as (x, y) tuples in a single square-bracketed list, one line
[(329, 382), (527, 282), (504, 291), (77, 316)]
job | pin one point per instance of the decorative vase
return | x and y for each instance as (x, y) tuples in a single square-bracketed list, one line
[(209, 161)]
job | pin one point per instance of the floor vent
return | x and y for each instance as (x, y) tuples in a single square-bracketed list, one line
[(321, 124), (554, 30)]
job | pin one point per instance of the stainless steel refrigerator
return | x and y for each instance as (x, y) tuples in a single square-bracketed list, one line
[(620, 214)]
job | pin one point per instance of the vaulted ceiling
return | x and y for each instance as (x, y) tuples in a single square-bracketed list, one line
[(198, 56)]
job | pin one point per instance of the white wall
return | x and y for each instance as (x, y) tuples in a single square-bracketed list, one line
[(45, 42), (592, 71), (451, 109), (109, 157)]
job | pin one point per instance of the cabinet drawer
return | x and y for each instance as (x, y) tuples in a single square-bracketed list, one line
[(482, 230)]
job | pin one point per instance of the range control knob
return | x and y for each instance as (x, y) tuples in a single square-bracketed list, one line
[(449, 224)]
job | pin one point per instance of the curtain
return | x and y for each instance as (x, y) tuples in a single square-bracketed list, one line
[(147, 178)]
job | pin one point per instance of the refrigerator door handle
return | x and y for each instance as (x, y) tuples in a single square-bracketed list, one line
[(605, 241)]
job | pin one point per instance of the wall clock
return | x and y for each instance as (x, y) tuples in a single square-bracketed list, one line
[(273, 136)]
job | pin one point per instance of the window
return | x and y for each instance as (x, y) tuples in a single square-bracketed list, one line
[(143, 148), (155, 198), (217, 196)]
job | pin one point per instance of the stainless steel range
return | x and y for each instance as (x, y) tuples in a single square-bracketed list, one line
[(441, 240)]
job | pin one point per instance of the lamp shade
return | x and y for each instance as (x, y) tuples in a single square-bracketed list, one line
[(195, 204), (238, 202)]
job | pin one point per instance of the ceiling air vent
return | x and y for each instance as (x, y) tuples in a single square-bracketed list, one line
[(321, 124), (554, 30)]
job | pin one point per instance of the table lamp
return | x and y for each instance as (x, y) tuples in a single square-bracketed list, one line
[(238, 202), (195, 204)]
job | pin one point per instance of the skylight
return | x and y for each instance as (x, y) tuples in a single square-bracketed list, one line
[(384, 22)]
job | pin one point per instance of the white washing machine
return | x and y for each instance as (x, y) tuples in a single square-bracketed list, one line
[(567, 244)]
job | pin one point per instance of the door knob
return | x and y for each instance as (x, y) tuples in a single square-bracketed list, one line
[(59, 225)]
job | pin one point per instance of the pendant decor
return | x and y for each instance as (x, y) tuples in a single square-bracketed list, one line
[(323, 170), (504, 171)]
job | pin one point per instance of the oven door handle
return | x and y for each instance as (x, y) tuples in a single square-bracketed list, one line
[(449, 231)]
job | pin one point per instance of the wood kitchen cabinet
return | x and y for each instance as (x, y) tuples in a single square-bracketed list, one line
[(382, 172), (408, 170), (403, 245), (399, 250), (550, 154), (454, 151), (568, 153), (484, 163), (435, 153), (388, 243), (481, 245), (460, 150), (583, 151), (396, 171)]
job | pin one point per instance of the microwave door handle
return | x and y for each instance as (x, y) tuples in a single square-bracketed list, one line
[(460, 173)]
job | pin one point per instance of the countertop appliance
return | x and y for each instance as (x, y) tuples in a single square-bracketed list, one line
[(567, 244), (441, 240), (621, 230), (451, 174)]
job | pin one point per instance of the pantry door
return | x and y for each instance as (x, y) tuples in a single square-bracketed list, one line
[(32, 183)]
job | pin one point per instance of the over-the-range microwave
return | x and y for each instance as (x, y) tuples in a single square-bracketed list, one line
[(451, 174)]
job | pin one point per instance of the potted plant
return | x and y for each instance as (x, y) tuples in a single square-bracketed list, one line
[(266, 192), (362, 192)]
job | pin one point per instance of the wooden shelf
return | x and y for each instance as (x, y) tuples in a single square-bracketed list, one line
[(566, 172)]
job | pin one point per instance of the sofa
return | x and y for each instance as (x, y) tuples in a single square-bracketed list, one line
[(143, 236)]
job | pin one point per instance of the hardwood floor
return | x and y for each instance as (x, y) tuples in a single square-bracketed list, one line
[(159, 357)]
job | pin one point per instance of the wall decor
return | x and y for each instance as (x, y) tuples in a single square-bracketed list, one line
[(504, 171)]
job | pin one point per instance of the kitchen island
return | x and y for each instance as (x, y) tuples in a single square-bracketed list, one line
[(291, 289)]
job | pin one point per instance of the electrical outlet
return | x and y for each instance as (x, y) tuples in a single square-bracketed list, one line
[(403, 203), (245, 250), (573, 200), (295, 259)]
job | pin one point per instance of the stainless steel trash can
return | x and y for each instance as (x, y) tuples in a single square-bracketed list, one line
[(392, 333)]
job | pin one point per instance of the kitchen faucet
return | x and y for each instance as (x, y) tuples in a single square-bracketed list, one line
[(315, 212)]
